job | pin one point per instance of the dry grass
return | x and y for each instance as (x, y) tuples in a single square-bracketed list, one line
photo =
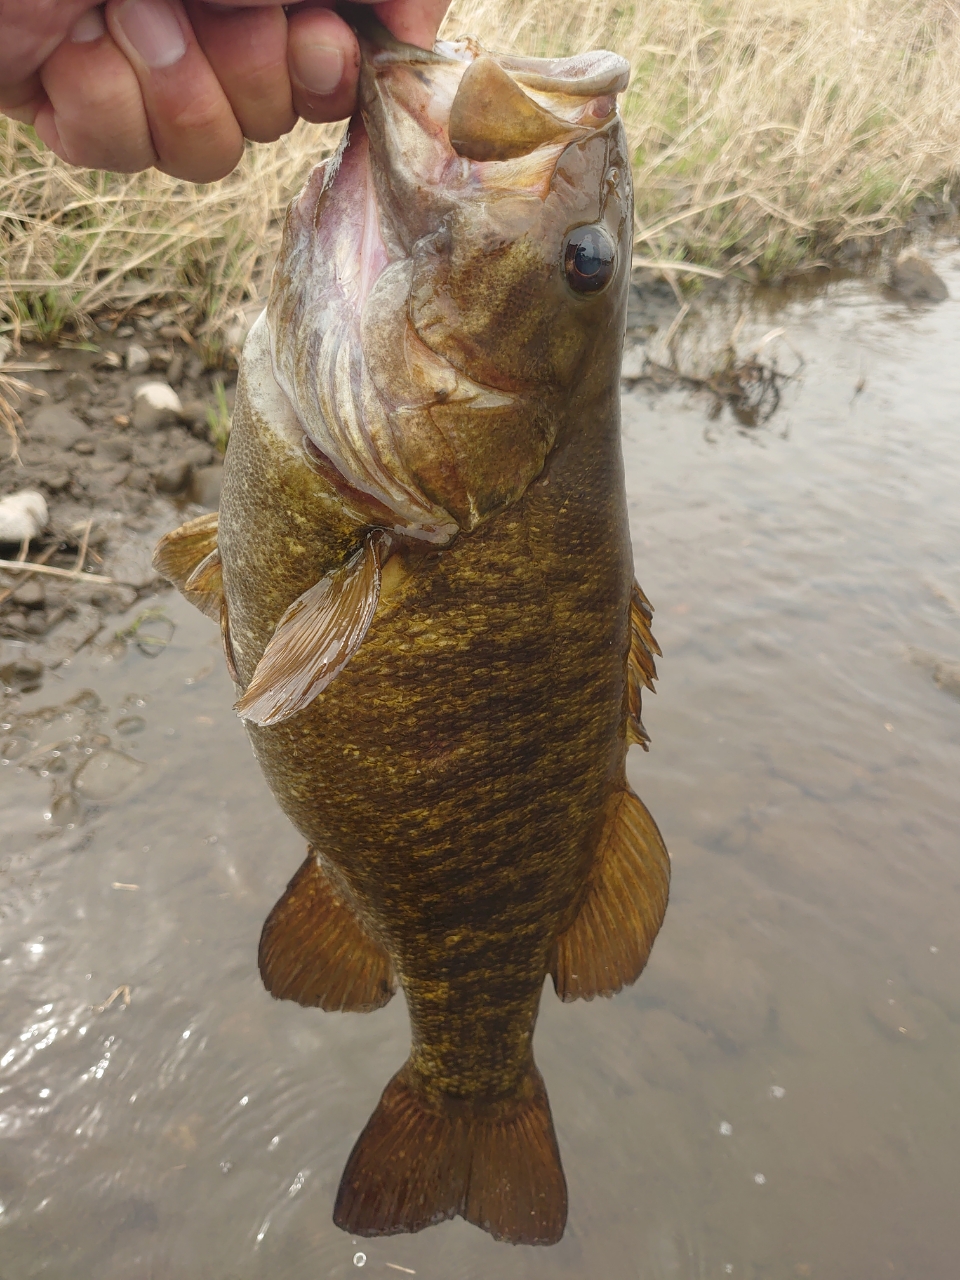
[(764, 131)]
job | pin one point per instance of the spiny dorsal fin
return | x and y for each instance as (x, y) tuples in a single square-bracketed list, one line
[(641, 668), (607, 946), (316, 637), (179, 552), (314, 949)]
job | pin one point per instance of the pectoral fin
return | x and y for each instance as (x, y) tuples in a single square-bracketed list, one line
[(189, 558), (641, 668), (609, 942), (316, 637)]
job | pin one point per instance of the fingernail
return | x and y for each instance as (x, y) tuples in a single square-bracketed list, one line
[(90, 27), (318, 67), (152, 28)]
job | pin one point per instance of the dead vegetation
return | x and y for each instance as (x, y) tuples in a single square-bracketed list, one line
[(764, 135)]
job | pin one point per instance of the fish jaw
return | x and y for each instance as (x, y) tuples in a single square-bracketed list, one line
[(420, 321)]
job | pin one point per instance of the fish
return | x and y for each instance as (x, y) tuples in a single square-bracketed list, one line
[(423, 575)]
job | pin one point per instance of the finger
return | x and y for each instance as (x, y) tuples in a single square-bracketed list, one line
[(247, 50), (324, 61), (94, 116), (415, 21), (31, 30), (194, 131)]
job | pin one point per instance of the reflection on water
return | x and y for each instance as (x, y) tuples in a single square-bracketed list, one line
[(776, 1098)]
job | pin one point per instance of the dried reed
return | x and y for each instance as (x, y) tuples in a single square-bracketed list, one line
[(763, 131)]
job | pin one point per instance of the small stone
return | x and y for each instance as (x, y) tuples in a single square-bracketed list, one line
[(207, 485), (155, 404), (30, 596), (199, 455), (23, 674), (173, 476), (139, 478), (138, 360), (194, 368), (175, 371), (56, 425), (86, 446), (111, 360), (56, 479), (23, 515), (169, 332), (116, 449), (126, 331), (913, 277), (79, 386)]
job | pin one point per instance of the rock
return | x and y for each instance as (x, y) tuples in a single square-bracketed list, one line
[(634, 360), (199, 455), (173, 476), (206, 487), (946, 676), (129, 559), (240, 323), (30, 596), (138, 360), (139, 478), (54, 478), (23, 515), (116, 449), (155, 404), (79, 386), (71, 635), (104, 775), (55, 424), (86, 447), (913, 277), (175, 371), (22, 674)]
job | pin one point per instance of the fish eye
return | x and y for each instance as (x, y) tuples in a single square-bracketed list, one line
[(589, 257)]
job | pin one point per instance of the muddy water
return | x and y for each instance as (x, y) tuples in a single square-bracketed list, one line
[(776, 1098)]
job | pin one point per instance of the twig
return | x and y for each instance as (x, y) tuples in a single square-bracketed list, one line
[(123, 991), (84, 543), (15, 566), (47, 555), (689, 268)]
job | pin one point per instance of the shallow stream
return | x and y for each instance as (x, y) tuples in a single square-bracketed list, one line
[(777, 1097)]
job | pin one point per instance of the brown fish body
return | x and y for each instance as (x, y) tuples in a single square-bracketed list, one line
[(460, 776), (457, 772)]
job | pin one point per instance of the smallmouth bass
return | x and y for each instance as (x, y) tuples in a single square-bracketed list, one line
[(423, 574)]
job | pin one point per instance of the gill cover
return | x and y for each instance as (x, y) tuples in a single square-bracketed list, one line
[(421, 322)]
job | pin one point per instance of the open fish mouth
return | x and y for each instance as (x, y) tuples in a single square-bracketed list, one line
[(403, 393)]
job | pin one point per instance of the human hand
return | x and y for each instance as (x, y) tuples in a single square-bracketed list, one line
[(180, 83)]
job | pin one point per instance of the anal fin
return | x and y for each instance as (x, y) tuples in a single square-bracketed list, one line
[(315, 951), (316, 637), (608, 944)]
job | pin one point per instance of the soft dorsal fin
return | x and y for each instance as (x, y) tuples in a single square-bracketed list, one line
[(188, 557), (641, 668), (609, 942), (316, 637)]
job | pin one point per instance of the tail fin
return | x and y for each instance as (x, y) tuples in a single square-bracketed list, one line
[(417, 1163)]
